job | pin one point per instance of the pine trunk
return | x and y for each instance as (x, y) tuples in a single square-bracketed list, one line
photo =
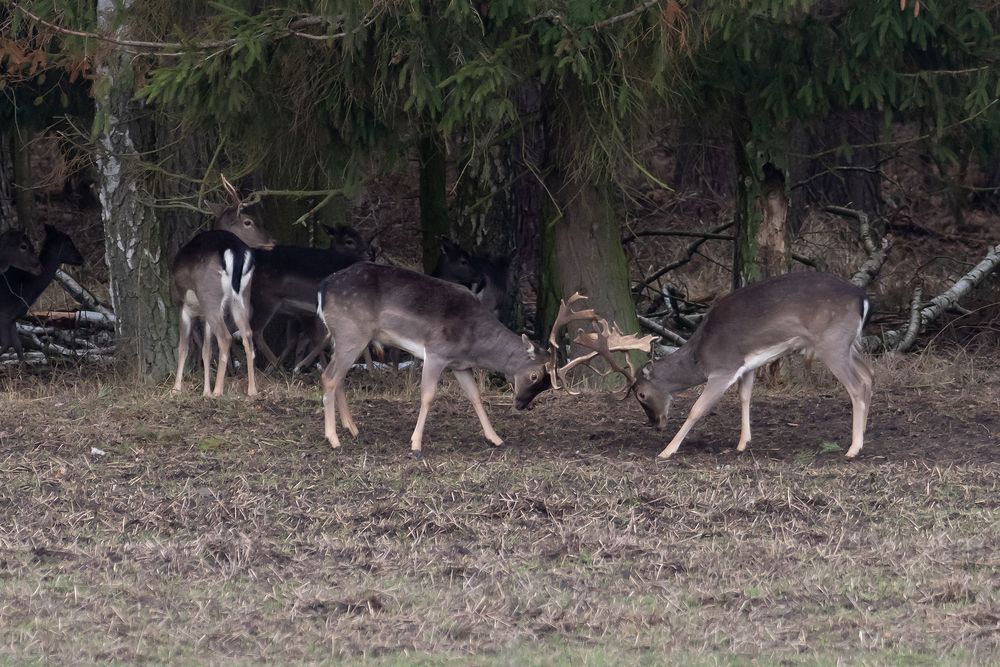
[(581, 251), (138, 265)]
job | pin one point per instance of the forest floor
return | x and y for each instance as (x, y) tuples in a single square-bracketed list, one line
[(142, 527)]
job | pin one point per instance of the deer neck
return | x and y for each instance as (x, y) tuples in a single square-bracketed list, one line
[(679, 370), (502, 351)]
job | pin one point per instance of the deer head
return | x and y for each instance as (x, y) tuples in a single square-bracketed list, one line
[(231, 218)]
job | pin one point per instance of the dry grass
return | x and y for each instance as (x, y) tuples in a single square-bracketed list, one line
[(227, 531)]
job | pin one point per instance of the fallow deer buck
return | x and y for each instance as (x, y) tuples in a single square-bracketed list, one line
[(16, 250), (439, 322), (817, 314), (212, 275), (20, 289), (287, 282)]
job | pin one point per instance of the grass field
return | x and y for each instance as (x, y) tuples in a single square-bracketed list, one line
[(228, 531)]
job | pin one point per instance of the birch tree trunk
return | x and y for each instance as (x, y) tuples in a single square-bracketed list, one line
[(138, 267)]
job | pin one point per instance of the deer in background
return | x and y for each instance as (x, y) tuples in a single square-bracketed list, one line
[(439, 322), (16, 250), (287, 283), (20, 289), (212, 275), (818, 314), (486, 277)]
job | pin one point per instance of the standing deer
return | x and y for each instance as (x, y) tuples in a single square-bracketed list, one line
[(20, 289), (817, 314), (212, 275), (16, 250), (439, 322), (484, 276), (287, 283)]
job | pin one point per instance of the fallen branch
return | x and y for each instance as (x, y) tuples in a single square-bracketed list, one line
[(83, 296), (661, 331), (689, 255), (877, 252), (913, 328), (939, 304)]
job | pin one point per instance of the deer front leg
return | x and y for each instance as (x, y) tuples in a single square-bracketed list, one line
[(206, 359), (428, 385), (468, 382), (241, 313), (714, 389), (746, 389)]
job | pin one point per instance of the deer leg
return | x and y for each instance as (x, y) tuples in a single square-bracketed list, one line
[(264, 318), (206, 359), (714, 389), (224, 340), (291, 341), (315, 352), (746, 389), (856, 376), (428, 385), (468, 382), (15, 342), (182, 348), (241, 314), (345, 412), (333, 382)]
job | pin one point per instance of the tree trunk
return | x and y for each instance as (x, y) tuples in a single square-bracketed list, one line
[(24, 183), (581, 251), (138, 267), (761, 248), (6, 183), (433, 198)]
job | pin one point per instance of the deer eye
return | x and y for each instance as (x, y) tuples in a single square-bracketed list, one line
[(349, 243), (534, 377), (642, 396), (24, 246)]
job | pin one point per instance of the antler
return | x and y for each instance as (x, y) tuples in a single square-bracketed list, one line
[(605, 339), (565, 316), (231, 190)]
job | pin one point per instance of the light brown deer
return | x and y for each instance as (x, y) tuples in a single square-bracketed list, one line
[(439, 322), (211, 279), (817, 314)]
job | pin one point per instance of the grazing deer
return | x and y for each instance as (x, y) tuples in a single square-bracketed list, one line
[(439, 322), (16, 250), (212, 275), (287, 283), (817, 314), (20, 289)]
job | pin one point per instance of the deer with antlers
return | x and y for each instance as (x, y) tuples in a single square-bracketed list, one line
[(211, 280), (439, 322), (817, 314)]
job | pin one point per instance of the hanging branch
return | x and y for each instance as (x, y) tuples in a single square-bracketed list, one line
[(689, 254), (941, 303)]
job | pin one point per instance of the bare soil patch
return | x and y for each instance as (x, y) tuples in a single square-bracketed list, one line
[(221, 531)]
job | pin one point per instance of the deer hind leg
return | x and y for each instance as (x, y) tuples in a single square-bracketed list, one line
[(468, 382), (206, 359), (182, 348), (224, 340), (856, 375), (714, 389), (241, 315), (333, 384), (746, 389), (428, 386)]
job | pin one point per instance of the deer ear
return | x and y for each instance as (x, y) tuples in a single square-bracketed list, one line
[(529, 345)]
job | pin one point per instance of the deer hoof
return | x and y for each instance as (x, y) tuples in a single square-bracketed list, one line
[(663, 460), (503, 445), (416, 455)]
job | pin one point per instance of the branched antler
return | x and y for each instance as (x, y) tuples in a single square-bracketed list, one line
[(604, 340), (231, 190)]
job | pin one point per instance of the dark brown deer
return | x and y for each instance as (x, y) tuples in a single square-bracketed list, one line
[(817, 314), (287, 282), (212, 275), (20, 289), (439, 322), (484, 276), (16, 250)]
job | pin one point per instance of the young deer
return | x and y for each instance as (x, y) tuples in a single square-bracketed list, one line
[(287, 283), (16, 250), (817, 314), (211, 279), (19, 289)]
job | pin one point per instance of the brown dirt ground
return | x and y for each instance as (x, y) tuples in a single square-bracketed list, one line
[(222, 531)]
